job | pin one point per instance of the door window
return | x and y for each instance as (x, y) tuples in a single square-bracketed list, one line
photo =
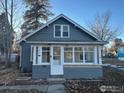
[(56, 55)]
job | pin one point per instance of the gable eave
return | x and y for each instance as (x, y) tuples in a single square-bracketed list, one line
[(53, 20)]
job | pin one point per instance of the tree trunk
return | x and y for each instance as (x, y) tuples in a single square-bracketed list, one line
[(10, 43), (7, 63), (7, 50)]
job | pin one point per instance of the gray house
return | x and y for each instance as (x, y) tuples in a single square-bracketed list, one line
[(61, 47)]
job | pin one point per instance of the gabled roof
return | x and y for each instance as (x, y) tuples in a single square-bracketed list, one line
[(56, 18)]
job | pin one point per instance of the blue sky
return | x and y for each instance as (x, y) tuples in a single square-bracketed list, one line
[(84, 11)]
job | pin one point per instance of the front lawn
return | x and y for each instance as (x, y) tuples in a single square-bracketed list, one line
[(8, 75)]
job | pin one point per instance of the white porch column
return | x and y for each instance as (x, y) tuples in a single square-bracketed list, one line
[(95, 55), (83, 54), (39, 55), (51, 54), (73, 55), (62, 55), (100, 55), (34, 55)]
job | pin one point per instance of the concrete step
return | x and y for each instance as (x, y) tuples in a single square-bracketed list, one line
[(56, 80), (56, 88), (23, 78)]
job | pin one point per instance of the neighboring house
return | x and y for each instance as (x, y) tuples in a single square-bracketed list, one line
[(120, 52), (118, 45), (61, 47)]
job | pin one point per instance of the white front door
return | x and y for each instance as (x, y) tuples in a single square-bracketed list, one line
[(56, 61)]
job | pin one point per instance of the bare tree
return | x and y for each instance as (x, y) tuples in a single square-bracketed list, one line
[(102, 29), (7, 31)]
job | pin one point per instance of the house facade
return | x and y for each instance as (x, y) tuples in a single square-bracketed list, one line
[(61, 47), (120, 52)]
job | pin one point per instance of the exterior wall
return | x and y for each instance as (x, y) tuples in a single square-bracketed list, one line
[(26, 65), (120, 54), (82, 72), (39, 71), (47, 34)]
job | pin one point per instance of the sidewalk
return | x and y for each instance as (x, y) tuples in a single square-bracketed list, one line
[(52, 88)]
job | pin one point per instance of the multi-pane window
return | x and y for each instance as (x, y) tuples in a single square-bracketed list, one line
[(45, 54), (68, 55), (57, 31), (61, 31), (75, 54), (78, 54), (89, 55), (57, 55), (65, 31)]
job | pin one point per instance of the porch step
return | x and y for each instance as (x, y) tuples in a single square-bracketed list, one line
[(23, 78), (56, 76), (56, 80)]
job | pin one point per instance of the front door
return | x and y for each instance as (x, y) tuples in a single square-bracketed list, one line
[(56, 61)]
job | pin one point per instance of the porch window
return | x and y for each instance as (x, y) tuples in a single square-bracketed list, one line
[(78, 52), (68, 53), (61, 31), (89, 54), (45, 54)]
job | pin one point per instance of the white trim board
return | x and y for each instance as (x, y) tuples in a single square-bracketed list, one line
[(36, 42), (51, 21)]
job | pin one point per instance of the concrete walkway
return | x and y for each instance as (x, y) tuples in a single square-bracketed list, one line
[(56, 88), (52, 88)]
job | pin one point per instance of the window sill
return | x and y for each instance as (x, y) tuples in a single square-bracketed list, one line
[(61, 37), (79, 64), (42, 64)]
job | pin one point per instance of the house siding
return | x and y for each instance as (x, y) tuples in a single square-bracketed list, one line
[(39, 72), (82, 72), (26, 64), (47, 34)]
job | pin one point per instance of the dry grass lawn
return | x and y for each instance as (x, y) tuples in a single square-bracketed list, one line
[(8, 75), (113, 61)]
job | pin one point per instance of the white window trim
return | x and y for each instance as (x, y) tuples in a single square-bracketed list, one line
[(41, 55), (73, 59), (91, 52), (34, 56), (61, 31), (100, 55), (72, 54), (31, 54), (75, 62)]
